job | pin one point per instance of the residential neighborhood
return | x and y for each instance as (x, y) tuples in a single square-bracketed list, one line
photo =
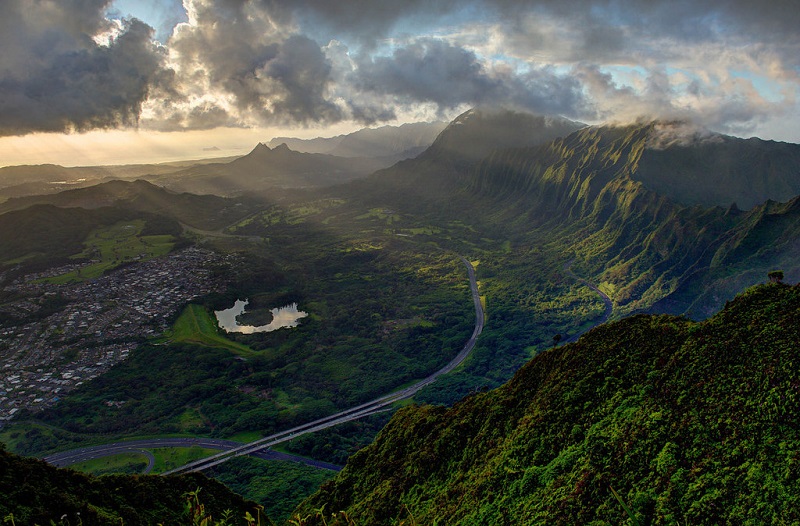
[(97, 323)]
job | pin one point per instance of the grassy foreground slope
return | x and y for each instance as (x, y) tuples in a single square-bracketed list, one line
[(690, 422)]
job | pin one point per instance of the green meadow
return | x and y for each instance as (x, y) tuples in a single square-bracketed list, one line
[(196, 325), (111, 246)]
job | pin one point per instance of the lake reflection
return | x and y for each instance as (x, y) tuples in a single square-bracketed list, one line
[(287, 316)]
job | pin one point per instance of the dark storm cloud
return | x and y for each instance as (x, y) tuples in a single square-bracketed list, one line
[(55, 77), (252, 62), (431, 70), (364, 20), (776, 19), (303, 72), (283, 62)]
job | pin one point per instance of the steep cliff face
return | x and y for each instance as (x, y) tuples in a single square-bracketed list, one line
[(586, 193), (690, 422)]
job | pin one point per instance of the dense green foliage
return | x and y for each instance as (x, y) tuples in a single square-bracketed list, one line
[(690, 422), (359, 341), (37, 493), (50, 231), (278, 485)]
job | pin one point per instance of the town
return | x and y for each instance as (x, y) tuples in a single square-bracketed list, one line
[(97, 323)]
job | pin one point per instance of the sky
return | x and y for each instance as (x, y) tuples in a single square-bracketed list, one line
[(120, 81)]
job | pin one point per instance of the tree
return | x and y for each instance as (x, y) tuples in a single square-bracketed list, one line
[(775, 276), (556, 339)]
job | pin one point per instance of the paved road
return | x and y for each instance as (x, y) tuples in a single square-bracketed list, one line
[(66, 458), (369, 408), (609, 306), (257, 447)]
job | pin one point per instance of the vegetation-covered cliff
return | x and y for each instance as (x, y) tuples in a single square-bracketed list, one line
[(689, 422)]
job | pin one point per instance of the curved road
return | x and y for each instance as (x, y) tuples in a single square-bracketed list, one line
[(609, 306), (255, 448)]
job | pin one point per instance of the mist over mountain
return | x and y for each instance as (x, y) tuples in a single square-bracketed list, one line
[(719, 170), (609, 196), (642, 246), (477, 132), (392, 143)]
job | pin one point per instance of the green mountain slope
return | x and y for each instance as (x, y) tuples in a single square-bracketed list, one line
[(52, 233), (644, 248), (200, 211), (36, 493), (690, 422), (429, 182)]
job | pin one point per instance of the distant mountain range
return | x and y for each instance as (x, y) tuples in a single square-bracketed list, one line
[(388, 143), (207, 212), (281, 163), (265, 168), (19, 181)]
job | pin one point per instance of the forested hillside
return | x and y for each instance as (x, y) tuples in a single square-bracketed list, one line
[(37, 493), (689, 422)]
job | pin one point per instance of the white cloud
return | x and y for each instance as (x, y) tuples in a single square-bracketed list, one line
[(249, 63)]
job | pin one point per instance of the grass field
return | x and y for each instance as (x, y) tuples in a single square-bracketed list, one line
[(109, 247), (122, 463), (172, 457), (196, 325)]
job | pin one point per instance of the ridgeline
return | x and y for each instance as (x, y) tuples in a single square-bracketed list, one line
[(689, 422)]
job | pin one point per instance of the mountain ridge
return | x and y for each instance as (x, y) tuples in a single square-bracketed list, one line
[(265, 168), (645, 406), (386, 142)]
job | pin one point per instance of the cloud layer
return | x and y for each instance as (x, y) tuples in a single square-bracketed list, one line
[(74, 65)]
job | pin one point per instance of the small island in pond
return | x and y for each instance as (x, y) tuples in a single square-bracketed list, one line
[(235, 318)]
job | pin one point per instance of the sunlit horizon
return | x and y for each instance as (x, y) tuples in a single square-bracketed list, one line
[(120, 147)]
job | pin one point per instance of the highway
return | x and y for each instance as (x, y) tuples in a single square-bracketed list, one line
[(257, 447), (353, 413), (144, 447)]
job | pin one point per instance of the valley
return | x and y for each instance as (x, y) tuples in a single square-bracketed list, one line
[(109, 332)]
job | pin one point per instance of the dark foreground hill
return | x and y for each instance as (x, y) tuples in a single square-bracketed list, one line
[(689, 422), (36, 493)]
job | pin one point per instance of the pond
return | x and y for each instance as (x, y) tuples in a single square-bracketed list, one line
[(287, 316)]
